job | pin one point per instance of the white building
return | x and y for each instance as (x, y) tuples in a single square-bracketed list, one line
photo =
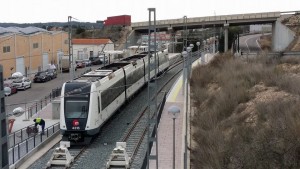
[(260, 28), (85, 48)]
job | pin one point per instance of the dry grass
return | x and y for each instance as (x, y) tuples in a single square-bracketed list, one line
[(265, 42), (232, 127)]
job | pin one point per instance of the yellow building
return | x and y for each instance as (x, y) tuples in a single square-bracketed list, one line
[(31, 49)]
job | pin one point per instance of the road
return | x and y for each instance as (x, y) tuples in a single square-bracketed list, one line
[(39, 90), (249, 43)]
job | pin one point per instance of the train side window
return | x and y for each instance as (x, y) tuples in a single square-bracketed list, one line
[(98, 104)]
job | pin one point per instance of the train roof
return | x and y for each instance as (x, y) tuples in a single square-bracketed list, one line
[(106, 70)]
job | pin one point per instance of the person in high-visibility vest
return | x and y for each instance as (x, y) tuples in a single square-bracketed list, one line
[(41, 122)]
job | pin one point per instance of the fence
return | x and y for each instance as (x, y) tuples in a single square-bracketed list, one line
[(20, 149), (153, 131), (35, 106)]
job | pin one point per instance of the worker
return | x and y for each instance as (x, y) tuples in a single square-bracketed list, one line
[(41, 122)]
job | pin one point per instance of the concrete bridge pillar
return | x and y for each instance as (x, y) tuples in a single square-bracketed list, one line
[(282, 36), (273, 36), (226, 26)]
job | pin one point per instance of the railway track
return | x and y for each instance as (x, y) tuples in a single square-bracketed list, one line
[(136, 133), (138, 130), (135, 130)]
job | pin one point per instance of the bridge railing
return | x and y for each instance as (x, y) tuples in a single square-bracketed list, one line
[(212, 18)]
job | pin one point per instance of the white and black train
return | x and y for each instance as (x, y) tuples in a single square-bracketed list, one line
[(90, 100)]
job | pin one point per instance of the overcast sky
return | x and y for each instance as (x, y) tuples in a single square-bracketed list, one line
[(29, 11)]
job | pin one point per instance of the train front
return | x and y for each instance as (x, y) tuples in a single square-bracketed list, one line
[(74, 111)]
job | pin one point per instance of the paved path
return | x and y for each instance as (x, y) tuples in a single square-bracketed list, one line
[(165, 128)]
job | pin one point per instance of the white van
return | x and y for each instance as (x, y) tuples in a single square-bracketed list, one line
[(102, 59)]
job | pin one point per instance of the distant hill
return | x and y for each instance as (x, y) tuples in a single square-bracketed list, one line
[(47, 25)]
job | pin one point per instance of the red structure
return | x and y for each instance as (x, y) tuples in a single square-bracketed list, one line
[(10, 125), (122, 20)]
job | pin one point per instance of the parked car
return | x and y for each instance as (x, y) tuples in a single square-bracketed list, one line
[(95, 60), (42, 76), (80, 64), (87, 62), (52, 73), (22, 83), (9, 89)]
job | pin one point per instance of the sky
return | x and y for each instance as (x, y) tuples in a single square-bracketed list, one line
[(31, 11)]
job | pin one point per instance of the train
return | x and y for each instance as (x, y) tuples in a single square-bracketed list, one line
[(89, 101)]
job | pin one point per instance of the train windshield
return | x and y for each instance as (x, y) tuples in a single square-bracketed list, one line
[(76, 108)]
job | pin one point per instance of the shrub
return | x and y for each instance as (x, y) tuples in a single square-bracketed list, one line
[(223, 138)]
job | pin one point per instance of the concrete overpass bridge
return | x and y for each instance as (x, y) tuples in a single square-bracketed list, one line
[(282, 36)]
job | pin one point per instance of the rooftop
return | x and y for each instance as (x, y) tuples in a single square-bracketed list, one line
[(91, 41), (26, 31)]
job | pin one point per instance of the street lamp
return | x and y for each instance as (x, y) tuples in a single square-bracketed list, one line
[(198, 44), (217, 43), (185, 32), (184, 55), (173, 111), (189, 50)]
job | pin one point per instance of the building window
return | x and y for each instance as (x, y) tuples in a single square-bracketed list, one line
[(66, 41), (4, 155), (2, 105), (3, 128), (6, 49), (35, 45)]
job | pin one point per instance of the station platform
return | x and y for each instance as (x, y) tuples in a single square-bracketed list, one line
[(165, 128), (47, 141), (23, 121)]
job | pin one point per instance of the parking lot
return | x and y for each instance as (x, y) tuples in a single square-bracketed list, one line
[(39, 90)]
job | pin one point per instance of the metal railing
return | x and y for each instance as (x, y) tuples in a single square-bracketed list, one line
[(20, 149), (18, 136), (34, 106), (152, 131)]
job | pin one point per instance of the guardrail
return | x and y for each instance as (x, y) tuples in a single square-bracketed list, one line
[(19, 150), (153, 132), (18, 136), (295, 53), (33, 107)]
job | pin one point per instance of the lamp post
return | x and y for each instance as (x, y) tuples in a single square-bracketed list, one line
[(204, 51), (184, 55), (190, 58), (173, 112), (188, 49), (185, 31), (217, 43), (198, 44)]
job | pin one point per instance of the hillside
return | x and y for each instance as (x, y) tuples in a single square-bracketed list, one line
[(293, 23), (246, 113)]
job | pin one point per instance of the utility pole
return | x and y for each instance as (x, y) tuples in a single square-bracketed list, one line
[(152, 88), (70, 49)]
